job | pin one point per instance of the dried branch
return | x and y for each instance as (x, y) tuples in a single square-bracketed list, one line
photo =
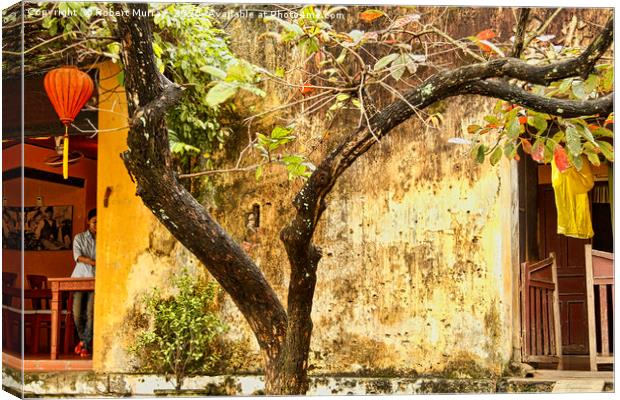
[(517, 47), (219, 171), (541, 29)]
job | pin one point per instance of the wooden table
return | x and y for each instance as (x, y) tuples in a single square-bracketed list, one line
[(64, 285)]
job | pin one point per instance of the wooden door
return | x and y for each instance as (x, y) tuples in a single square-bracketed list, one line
[(570, 259)]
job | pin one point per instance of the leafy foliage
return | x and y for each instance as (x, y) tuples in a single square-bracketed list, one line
[(187, 39), (545, 137), (296, 164), (339, 55), (181, 338), (343, 62)]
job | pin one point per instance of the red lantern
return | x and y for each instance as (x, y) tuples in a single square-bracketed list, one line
[(68, 89)]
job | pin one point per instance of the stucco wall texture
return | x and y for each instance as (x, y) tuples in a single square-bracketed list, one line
[(416, 272)]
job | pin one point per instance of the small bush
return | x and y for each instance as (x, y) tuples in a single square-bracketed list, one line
[(183, 330)]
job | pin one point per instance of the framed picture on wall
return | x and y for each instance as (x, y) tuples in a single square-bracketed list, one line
[(45, 228), (11, 233)]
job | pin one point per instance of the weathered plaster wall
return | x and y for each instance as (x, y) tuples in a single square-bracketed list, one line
[(416, 268), (419, 274)]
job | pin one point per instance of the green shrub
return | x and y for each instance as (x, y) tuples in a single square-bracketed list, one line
[(183, 330)]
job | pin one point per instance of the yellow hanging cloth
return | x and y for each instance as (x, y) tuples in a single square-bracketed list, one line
[(571, 200)]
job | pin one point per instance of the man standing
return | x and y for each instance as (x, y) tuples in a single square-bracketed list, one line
[(84, 256)]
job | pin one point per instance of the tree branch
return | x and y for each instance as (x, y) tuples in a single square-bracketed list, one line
[(156, 109), (560, 107)]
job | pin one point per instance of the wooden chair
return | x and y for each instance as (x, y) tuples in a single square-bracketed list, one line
[(8, 281), (9, 318), (540, 312), (38, 282), (38, 295), (600, 281)]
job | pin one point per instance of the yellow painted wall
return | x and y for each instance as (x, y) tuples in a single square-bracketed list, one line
[(417, 274), (134, 251)]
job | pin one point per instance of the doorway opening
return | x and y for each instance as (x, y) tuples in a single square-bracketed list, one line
[(41, 214)]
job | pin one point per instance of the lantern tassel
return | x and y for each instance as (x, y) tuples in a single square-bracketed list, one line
[(65, 154)]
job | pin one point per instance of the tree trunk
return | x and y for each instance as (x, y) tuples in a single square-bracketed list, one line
[(291, 368)]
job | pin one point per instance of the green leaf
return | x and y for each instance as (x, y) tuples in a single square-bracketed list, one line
[(398, 71), (607, 82), (311, 45), (576, 161), (343, 96), (280, 132), (579, 90), (157, 50), (584, 131), (602, 132), (308, 12), (293, 159), (590, 84), (565, 85), (280, 72), (385, 61), (573, 141), (241, 71), (513, 128), (537, 122), (480, 153), (588, 150), (259, 172), (336, 106), (214, 71), (491, 119), (115, 48), (219, 93), (607, 150), (342, 56), (510, 149), (496, 155), (120, 78)]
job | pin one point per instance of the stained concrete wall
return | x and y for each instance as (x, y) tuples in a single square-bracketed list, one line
[(416, 275)]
